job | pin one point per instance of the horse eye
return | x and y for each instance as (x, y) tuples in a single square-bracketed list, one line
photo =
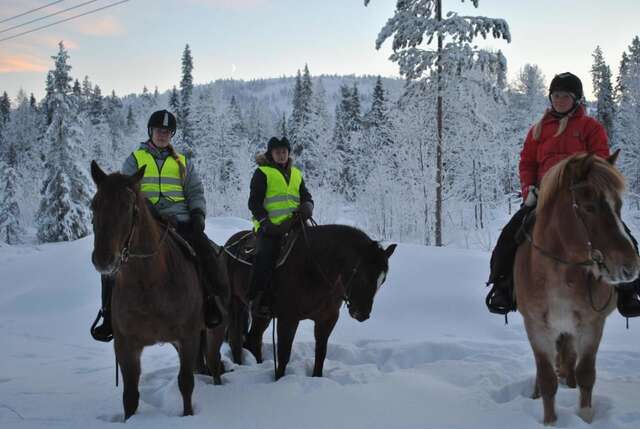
[(590, 208)]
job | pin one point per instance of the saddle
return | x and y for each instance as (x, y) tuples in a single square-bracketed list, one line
[(244, 249)]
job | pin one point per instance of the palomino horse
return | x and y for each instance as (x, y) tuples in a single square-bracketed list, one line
[(157, 296), (328, 264), (565, 272)]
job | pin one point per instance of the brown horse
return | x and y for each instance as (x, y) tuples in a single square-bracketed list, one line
[(328, 264), (157, 296), (565, 272)]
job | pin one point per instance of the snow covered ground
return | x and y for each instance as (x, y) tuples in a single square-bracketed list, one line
[(431, 356)]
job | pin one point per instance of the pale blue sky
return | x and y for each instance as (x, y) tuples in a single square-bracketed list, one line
[(140, 42)]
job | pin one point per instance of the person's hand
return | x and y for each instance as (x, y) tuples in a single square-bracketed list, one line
[(532, 196), (306, 210), (197, 220)]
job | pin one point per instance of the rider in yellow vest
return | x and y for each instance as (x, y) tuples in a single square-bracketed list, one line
[(175, 192), (277, 193)]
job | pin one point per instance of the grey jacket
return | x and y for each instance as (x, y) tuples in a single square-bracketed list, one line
[(193, 189)]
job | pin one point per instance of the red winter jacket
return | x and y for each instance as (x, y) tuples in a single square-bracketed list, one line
[(583, 134)]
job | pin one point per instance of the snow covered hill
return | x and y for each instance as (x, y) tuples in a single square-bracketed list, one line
[(431, 356)]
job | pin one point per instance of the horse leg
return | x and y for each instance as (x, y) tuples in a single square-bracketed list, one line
[(215, 337), (566, 359), (322, 330), (286, 333), (548, 384), (187, 351), (254, 337), (200, 364), (128, 356), (586, 373), (236, 329)]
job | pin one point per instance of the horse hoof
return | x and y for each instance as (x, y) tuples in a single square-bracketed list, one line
[(217, 380), (586, 414)]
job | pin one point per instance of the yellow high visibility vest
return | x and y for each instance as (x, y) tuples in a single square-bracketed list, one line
[(281, 199), (166, 183)]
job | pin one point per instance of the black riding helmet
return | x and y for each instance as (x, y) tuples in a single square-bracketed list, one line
[(567, 82), (275, 142), (162, 119)]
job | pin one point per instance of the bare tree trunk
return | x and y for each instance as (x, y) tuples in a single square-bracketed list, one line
[(439, 143)]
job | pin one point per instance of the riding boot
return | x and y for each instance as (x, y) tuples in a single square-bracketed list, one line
[(629, 299), (500, 298), (104, 332)]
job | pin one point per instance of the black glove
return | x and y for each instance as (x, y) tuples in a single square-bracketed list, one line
[(273, 230), (197, 220), (306, 210)]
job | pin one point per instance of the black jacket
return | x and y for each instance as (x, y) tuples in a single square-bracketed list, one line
[(258, 188)]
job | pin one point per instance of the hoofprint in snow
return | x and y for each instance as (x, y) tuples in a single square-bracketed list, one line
[(429, 357)]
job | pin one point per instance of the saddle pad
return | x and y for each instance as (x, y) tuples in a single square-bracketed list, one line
[(244, 250)]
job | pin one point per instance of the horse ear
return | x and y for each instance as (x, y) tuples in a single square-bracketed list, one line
[(134, 181), (96, 173), (389, 250), (613, 158)]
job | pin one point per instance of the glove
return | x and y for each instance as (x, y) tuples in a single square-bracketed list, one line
[(306, 210), (273, 230), (197, 220), (532, 196)]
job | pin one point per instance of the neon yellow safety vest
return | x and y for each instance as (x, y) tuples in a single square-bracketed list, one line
[(166, 183), (281, 199)]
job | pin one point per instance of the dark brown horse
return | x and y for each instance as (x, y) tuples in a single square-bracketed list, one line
[(157, 296), (564, 274), (328, 264)]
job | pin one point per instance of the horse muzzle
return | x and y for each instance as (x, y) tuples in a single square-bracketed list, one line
[(360, 317), (105, 267)]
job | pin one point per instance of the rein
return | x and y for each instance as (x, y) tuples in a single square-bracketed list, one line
[(595, 255), (126, 253), (346, 287)]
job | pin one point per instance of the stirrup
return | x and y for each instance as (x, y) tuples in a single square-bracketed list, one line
[(497, 309), (96, 331)]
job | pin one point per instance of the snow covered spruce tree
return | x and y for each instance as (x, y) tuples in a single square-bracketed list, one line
[(64, 208), (11, 225), (627, 124), (185, 120), (603, 90), (414, 26)]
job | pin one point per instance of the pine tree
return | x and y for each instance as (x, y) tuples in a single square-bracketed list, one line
[(603, 90), (174, 100), (11, 227), (63, 214), (5, 108), (186, 92), (418, 21)]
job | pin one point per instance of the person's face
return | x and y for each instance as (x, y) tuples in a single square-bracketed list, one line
[(562, 101), (161, 137), (280, 155)]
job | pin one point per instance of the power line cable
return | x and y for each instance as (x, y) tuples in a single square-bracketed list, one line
[(30, 11), (63, 20), (48, 16)]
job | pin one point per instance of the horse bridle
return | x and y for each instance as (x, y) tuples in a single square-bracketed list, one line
[(595, 256), (125, 253)]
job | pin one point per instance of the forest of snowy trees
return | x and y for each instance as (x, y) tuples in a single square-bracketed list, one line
[(367, 145)]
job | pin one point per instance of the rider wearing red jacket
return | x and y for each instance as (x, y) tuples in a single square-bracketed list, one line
[(564, 130)]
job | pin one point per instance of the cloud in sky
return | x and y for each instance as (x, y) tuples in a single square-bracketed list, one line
[(21, 63), (230, 4), (100, 26)]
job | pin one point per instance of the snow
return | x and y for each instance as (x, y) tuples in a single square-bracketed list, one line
[(431, 356)]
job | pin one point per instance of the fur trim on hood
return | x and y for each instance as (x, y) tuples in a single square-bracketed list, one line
[(263, 160)]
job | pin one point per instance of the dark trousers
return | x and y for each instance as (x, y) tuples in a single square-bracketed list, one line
[(267, 249), (504, 254)]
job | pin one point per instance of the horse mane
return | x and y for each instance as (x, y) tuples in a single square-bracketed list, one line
[(335, 235), (596, 172)]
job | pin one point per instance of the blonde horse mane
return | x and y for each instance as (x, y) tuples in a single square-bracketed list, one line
[(598, 173)]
